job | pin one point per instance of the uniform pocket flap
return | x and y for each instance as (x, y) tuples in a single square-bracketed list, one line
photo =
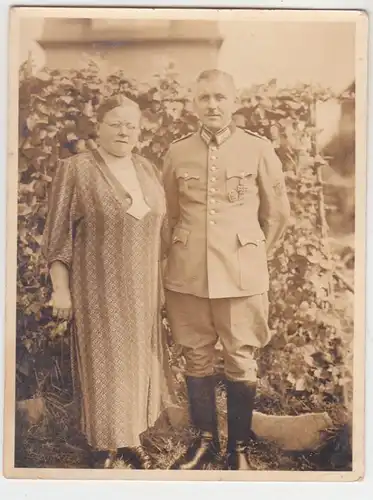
[(180, 234), (240, 173), (186, 175), (246, 239)]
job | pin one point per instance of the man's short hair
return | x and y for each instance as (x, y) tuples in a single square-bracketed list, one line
[(210, 74)]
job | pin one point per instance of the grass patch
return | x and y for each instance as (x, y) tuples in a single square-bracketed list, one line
[(57, 443)]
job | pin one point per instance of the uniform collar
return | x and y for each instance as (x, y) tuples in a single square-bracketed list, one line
[(219, 137)]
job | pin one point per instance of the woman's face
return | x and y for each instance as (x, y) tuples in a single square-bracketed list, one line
[(119, 130)]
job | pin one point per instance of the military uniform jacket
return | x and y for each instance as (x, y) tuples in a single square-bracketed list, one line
[(227, 208)]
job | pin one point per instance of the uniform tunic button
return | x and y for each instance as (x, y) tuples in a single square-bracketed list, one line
[(212, 212), (212, 222), (213, 157), (212, 190), (213, 179), (212, 200), (213, 168)]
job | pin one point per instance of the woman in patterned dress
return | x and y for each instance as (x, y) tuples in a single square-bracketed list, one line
[(102, 241)]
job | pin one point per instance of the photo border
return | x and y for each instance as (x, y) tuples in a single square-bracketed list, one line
[(361, 53)]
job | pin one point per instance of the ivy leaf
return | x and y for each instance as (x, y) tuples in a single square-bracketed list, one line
[(71, 137), (300, 384), (23, 209), (59, 330), (66, 99), (88, 109), (38, 238), (325, 264)]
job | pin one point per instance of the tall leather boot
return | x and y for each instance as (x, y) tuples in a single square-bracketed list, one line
[(202, 408), (240, 405)]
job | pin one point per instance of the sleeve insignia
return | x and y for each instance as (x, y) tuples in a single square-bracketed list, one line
[(278, 188)]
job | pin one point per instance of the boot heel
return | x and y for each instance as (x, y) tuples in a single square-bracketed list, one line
[(202, 407)]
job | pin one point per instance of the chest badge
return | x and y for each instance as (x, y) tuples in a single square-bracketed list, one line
[(238, 193)]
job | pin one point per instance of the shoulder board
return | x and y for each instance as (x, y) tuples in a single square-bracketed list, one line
[(183, 137), (250, 132)]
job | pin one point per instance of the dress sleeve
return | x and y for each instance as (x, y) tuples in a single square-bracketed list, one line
[(62, 215)]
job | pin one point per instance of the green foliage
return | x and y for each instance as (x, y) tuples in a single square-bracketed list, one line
[(305, 362)]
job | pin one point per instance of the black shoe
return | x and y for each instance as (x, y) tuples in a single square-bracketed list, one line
[(101, 459), (202, 452), (238, 458), (202, 408), (135, 457), (240, 404)]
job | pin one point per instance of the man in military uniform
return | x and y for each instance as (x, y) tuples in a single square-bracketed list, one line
[(228, 208)]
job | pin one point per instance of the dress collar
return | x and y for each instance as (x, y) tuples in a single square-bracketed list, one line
[(120, 162)]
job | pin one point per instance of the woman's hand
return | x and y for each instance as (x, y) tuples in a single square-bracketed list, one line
[(62, 304), (61, 296)]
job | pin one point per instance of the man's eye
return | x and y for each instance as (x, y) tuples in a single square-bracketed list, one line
[(119, 125)]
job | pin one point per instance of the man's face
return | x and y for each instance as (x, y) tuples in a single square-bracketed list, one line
[(119, 130), (214, 102)]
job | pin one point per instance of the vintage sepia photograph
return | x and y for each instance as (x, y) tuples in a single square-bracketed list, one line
[(186, 244)]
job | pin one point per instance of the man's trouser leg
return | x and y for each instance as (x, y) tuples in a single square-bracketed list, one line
[(192, 328), (242, 326)]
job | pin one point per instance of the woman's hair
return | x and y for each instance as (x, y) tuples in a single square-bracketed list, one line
[(113, 102)]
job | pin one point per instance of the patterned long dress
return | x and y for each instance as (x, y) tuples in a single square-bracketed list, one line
[(113, 259)]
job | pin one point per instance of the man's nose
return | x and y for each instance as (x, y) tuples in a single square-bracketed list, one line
[(212, 102)]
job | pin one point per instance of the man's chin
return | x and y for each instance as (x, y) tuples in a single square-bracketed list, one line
[(213, 123)]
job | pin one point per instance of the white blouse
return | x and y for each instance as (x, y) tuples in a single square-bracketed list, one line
[(124, 171)]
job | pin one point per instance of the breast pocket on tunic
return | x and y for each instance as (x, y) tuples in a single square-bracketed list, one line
[(240, 183), (187, 178)]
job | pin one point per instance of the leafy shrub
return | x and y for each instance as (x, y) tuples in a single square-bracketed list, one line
[(305, 364)]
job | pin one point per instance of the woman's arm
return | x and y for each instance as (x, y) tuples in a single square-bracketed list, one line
[(60, 276), (61, 296), (58, 236)]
